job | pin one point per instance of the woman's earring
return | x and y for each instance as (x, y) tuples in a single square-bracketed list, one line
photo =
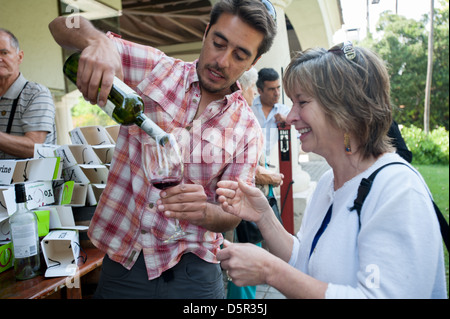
[(348, 149)]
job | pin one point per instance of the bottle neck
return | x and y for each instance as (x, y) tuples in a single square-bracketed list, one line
[(21, 207)]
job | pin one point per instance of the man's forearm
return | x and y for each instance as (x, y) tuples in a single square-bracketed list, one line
[(74, 37), (21, 146)]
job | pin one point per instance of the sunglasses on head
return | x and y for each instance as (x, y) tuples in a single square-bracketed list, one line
[(270, 9), (346, 48)]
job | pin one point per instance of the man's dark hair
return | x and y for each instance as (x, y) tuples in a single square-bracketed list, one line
[(266, 74), (252, 12)]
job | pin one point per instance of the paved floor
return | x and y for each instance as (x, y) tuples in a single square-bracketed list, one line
[(315, 166)]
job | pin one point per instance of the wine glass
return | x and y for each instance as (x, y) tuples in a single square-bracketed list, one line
[(163, 166)]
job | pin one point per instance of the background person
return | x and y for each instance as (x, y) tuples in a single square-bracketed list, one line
[(133, 218), (266, 107), (27, 111), (341, 107)]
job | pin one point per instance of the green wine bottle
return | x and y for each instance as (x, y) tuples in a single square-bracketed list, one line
[(124, 105)]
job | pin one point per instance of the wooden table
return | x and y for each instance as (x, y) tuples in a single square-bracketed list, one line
[(42, 287)]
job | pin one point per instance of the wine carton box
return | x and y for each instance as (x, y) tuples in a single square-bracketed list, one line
[(71, 193), (93, 193), (4, 227), (77, 154), (44, 150), (104, 153), (61, 249), (61, 217), (6, 255), (92, 135), (38, 194), (35, 169), (85, 174), (113, 131)]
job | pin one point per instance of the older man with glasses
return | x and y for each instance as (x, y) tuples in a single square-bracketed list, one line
[(27, 111)]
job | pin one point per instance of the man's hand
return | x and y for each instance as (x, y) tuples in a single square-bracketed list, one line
[(98, 65), (280, 118), (185, 201), (99, 61), (189, 202)]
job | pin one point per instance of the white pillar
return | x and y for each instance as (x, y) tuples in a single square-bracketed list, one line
[(278, 56), (63, 116)]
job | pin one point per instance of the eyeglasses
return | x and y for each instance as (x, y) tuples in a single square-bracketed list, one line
[(345, 47), (270, 9)]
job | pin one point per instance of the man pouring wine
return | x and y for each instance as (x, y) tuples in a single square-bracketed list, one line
[(134, 219)]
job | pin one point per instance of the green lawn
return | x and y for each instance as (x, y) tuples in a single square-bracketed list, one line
[(437, 179)]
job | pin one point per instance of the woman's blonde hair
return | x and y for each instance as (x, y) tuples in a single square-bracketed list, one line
[(354, 93)]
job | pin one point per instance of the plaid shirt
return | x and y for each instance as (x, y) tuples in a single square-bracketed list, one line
[(224, 142)]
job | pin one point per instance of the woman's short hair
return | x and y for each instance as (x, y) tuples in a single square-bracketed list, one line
[(354, 93)]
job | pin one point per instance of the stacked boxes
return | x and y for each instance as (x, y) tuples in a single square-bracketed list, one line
[(58, 178)]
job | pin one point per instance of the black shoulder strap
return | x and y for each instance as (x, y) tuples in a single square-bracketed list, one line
[(13, 110), (366, 185)]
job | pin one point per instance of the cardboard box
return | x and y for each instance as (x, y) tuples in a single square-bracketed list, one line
[(38, 194), (6, 256), (85, 174), (35, 169), (61, 249), (71, 193), (61, 217), (44, 150), (4, 227), (76, 154), (113, 131), (93, 193), (43, 219), (91, 135), (104, 153)]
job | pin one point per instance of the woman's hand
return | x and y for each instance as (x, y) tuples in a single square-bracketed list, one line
[(246, 264), (242, 200)]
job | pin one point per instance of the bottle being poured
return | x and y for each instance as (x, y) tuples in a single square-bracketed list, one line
[(124, 105)]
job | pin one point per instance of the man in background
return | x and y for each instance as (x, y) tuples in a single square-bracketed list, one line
[(266, 107), (27, 111)]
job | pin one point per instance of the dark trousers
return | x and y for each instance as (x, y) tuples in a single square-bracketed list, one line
[(191, 278)]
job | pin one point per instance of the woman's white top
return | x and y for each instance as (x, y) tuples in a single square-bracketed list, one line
[(397, 251)]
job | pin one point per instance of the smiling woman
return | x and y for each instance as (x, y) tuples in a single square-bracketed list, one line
[(342, 108)]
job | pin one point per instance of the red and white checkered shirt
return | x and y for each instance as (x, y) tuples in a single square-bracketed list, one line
[(224, 143)]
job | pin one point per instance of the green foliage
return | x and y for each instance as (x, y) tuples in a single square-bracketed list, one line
[(86, 114), (403, 44), (432, 148)]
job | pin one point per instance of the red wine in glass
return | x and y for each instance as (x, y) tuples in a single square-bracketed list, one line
[(163, 183)]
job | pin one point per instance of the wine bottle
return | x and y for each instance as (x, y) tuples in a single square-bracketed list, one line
[(25, 238), (124, 105)]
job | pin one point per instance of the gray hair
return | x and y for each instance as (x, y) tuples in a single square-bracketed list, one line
[(13, 40), (248, 78)]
